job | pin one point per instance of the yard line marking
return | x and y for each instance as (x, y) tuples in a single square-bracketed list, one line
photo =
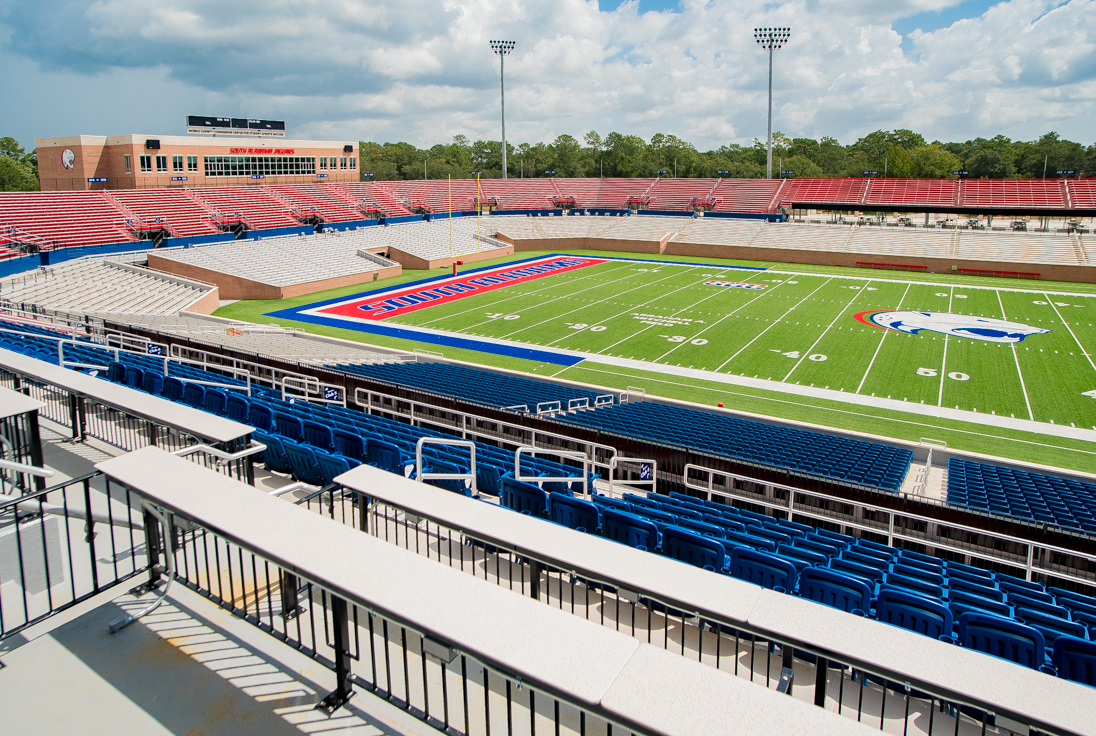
[(774, 324), (729, 314), (1079, 345), (522, 294), (884, 337), (1016, 357), (599, 301), (856, 296), (944, 362), (644, 329)]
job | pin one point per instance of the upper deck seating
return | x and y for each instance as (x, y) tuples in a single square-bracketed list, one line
[(913, 192), (1082, 193), (615, 193), (678, 194), (438, 195), (1013, 193), (65, 218), (824, 191), (1062, 502), (256, 205), (839, 458), (746, 195), (520, 194), (374, 195), (327, 202), (182, 214), (585, 191)]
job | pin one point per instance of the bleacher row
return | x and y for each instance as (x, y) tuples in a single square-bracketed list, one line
[(1036, 626), (311, 442), (94, 217)]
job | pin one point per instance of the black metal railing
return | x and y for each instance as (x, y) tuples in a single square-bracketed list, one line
[(63, 545)]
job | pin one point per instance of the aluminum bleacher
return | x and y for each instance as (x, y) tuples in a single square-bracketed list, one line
[(747, 195), (181, 213), (65, 218), (585, 191), (260, 209), (1082, 193), (520, 194), (435, 194), (899, 193), (615, 193), (823, 191), (678, 194), (320, 199)]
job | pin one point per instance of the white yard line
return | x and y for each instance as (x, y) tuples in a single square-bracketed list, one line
[(944, 362), (884, 337), (502, 292), (1079, 345), (713, 324), (774, 324), (554, 317), (839, 315), (1016, 357)]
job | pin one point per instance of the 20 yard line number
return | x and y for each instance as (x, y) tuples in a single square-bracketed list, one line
[(932, 372)]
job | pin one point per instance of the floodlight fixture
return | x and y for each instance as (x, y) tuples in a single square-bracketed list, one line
[(771, 39), (502, 48)]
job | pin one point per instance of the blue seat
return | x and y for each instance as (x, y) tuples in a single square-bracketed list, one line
[(573, 513), (915, 584), (1025, 591), (701, 527), (289, 426), (489, 477), (919, 573), (1061, 596), (1035, 604), (835, 589), (215, 401), (969, 571), (273, 457), (1075, 659), (116, 372), (1004, 579), (332, 466), (237, 408), (523, 497), (384, 455), (1002, 638), (348, 444), (872, 574), (913, 612), (768, 571), (173, 389), (740, 539), (985, 590), (456, 485), (694, 549), (627, 528), (318, 435), (154, 383), (613, 503), (302, 461), (261, 417), (1051, 627), (194, 395), (135, 377), (960, 602)]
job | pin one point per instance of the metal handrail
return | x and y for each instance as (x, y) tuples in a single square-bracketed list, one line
[(469, 476), (525, 449)]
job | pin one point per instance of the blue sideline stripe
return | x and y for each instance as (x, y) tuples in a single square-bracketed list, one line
[(374, 328)]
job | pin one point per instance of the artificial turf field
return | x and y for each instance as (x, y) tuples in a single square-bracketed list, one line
[(644, 322)]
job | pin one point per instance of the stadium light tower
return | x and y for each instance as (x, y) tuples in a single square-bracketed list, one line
[(502, 48), (771, 39)]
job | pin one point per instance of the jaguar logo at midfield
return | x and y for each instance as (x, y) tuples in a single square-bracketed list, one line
[(959, 325)]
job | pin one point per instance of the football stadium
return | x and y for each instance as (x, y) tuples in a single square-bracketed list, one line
[(541, 455)]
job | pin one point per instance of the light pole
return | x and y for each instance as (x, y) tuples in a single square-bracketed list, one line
[(502, 48), (771, 39)]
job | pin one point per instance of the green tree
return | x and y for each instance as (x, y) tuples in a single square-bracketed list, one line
[(17, 176), (989, 164), (801, 165), (934, 162)]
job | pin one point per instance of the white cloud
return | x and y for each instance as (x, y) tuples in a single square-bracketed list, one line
[(421, 70)]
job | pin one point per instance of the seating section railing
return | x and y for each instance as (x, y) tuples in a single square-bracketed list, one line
[(836, 660)]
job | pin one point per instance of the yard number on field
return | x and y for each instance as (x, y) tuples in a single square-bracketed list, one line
[(954, 375), (500, 315)]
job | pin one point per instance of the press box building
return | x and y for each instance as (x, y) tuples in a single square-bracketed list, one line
[(85, 162)]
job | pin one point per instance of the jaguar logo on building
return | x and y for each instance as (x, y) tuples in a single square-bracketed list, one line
[(957, 325), (68, 158)]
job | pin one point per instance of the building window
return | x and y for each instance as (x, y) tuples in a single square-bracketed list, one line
[(191, 163), (129, 163), (353, 163), (342, 163), (259, 165), (146, 164), (161, 163), (323, 163), (177, 163)]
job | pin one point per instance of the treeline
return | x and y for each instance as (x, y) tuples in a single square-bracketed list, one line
[(896, 153), (18, 169)]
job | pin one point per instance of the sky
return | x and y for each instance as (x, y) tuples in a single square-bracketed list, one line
[(421, 71)]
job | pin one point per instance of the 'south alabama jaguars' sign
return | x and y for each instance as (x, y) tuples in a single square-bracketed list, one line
[(957, 325)]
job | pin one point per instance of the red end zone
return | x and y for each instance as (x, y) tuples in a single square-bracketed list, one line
[(385, 304)]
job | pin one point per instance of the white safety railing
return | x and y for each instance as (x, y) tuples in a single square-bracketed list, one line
[(532, 451), (647, 469), (469, 477)]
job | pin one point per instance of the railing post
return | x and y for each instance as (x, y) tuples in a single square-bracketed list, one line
[(821, 681), (93, 559), (787, 670), (343, 691), (534, 580), (288, 585), (153, 547)]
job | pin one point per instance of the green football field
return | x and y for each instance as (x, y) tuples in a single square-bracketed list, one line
[(665, 328)]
